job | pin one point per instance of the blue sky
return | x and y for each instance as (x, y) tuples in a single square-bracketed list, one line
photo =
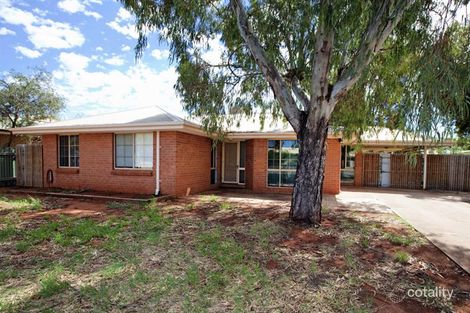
[(87, 45)]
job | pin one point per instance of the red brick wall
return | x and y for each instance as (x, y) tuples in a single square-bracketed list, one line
[(184, 163), (96, 170), (193, 162), (256, 167)]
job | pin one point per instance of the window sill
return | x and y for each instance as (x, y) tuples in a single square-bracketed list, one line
[(127, 172), (64, 170)]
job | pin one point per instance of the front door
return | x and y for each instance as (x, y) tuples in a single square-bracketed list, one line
[(230, 162), (234, 162)]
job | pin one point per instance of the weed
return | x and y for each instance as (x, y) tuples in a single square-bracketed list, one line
[(398, 239), (225, 206), (190, 206), (211, 198), (402, 257)]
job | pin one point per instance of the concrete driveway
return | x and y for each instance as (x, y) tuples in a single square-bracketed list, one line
[(444, 218)]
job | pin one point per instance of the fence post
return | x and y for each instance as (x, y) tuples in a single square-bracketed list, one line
[(425, 167)]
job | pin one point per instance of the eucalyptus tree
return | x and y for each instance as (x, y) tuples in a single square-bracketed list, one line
[(27, 99), (314, 63)]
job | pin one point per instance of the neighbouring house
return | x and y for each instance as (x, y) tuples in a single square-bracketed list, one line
[(151, 151)]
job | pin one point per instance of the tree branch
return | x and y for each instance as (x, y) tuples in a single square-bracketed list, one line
[(279, 86), (321, 62), (380, 26), (300, 94)]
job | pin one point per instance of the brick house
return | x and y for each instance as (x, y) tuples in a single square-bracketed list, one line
[(150, 151)]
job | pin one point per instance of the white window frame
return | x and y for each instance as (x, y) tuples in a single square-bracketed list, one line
[(278, 170), (133, 168), (68, 150)]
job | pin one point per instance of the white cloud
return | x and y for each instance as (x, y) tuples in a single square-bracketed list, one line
[(214, 54), (160, 54), (123, 15), (122, 23), (42, 33), (76, 6), (99, 48), (98, 91), (5, 31), (73, 62), (125, 48), (29, 53), (71, 6), (114, 60), (127, 30)]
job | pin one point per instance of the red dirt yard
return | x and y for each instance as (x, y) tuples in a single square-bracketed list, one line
[(217, 252)]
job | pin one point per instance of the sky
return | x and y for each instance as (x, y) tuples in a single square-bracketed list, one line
[(87, 45)]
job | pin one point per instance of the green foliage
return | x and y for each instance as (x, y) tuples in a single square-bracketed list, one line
[(51, 284), (402, 257), (225, 251), (23, 204), (427, 48), (27, 99), (398, 240)]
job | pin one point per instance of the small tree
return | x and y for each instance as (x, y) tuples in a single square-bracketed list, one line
[(26, 100), (305, 60)]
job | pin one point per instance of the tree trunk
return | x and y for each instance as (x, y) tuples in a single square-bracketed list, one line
[(307, 196)]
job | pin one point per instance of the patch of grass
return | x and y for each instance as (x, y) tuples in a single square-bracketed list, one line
[(7, 232), (78, 232), (119, 205), (402, 257), (225, 206), (112, 269), (314, 266), (149, 224), (50, 284), (190, 206), (265, 231), (398, 239), (350, 260), (23, 204), (7, 273), (192, 275), (210, 198), (225, 251)]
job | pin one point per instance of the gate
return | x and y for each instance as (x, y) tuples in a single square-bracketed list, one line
[(29, 165), (7, 168)]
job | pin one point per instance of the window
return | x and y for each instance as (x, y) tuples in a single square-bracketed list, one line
[(69, 152), (282, 162), (213, 164), (347, 164), (133, 150)]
